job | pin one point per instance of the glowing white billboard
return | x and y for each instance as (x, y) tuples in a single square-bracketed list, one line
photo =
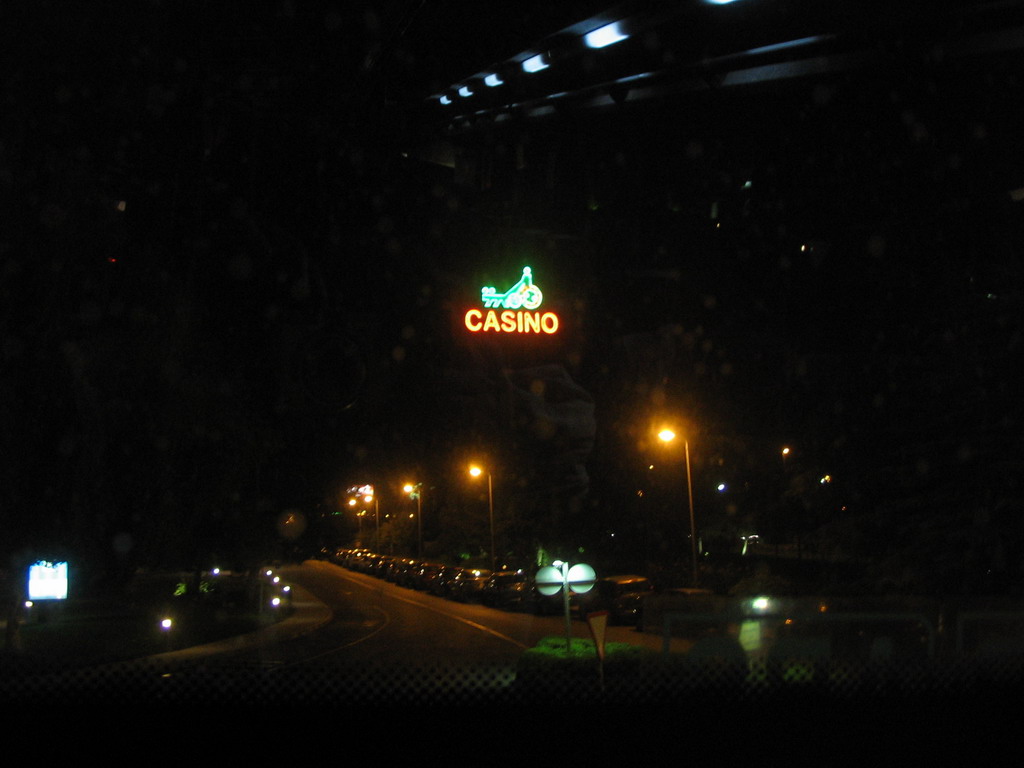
[(48, 581)]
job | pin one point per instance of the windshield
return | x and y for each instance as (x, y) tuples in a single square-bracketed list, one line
[(726, 295)]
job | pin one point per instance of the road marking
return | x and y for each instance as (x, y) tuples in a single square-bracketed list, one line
[(375, 584), (305, 659)]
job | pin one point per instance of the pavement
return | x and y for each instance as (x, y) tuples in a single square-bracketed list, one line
[(307, 614)]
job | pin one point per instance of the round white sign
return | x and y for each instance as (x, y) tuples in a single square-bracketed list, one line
[(581, 578), (549, 580)]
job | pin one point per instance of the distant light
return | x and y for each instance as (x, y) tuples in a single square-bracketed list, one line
[(464, 92), (721, 486), (760, 603), (166, 624), (666, 435), (826, 479), (445, 100), (276, 602), (493, 80), (121, 205), (535, 63), (48, 581), (604, 36)]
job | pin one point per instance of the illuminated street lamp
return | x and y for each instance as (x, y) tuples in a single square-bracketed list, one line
[(476, 471), (368, 494), (667, 436), (416, 492)]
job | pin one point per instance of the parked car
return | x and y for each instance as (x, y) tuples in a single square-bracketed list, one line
[(651, 609), (621, 596), (468, 585), (542, 605), (352, 558), (406, 571), (383, 566), (506, 589), (398, 568), (423, 574), (441, 585), (357, 560)]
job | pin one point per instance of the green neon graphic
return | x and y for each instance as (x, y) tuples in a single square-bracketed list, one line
[(523, 294)]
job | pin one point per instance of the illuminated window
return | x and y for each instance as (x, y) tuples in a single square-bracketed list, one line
[(535, 63), (604, 36)]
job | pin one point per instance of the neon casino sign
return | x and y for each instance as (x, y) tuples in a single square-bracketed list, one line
[(514, 311)]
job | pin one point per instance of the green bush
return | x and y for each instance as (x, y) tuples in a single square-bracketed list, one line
[(549, 670), (550, 663)]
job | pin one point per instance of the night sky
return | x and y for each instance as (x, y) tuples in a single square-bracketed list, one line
[(230, 287)]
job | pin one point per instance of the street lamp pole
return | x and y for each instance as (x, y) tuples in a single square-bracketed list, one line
[(490, 514), (693, 523), (419, 524), (416, 491), (667, 436), (475, 471), (376, 516)]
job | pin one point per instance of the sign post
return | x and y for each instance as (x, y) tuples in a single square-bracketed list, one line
[(579, 578), (598, 623)]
